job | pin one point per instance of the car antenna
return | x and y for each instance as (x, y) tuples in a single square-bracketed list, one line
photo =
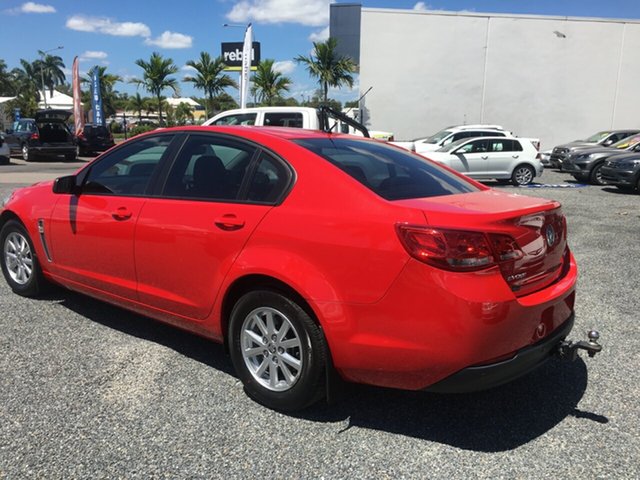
[(351, 108)]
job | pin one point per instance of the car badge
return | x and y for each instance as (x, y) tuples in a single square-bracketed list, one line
[(550, 233)]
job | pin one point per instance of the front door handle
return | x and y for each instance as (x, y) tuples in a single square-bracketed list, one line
[(122, 213), (484, 157), (229, 222), (515, 156)]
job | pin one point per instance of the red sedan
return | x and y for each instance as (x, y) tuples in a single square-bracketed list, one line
[(306, 253)]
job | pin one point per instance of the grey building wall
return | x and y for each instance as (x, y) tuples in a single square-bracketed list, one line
[(554, 78)]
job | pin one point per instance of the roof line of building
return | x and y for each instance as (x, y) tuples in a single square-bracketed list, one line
[(498, 15)]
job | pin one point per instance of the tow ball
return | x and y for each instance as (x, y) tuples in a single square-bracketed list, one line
[(569, 349)]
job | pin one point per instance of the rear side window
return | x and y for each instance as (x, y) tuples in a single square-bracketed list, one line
[(505, 145), (269, 181), (389, 172), (289, 119), (237, 119)]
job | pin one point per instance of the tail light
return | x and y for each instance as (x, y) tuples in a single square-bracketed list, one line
[(34, 136)]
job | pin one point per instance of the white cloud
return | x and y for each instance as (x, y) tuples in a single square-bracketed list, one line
[(313, 13), (421, 7), (320, 35), (285, 67), (108, 26), (32, 7), (188, 68), (93, 55), (171, 40)]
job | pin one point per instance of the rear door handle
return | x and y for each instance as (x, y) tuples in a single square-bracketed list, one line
[(515, 156), (229, 222), (484, 157), (122, 213)]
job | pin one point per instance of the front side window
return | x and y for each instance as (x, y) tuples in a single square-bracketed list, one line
[(387, 171), (237, 119), (127, 170), (209, 167), (476, 146)]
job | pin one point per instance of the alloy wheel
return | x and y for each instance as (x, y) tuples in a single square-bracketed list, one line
[(271, 349), (25, 153), (523, 176), (18, 258)]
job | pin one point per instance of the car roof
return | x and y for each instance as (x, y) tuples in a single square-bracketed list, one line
[(287, 133)]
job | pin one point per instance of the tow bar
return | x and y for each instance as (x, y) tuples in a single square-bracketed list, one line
[(569, 349)]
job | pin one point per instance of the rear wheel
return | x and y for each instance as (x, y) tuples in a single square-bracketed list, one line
[(522, 175), (20, 265), (27, 156), (71, 157), (596, 175), (278, 351)]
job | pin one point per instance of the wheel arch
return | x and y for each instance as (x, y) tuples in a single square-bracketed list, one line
[(9, 215), (252, 282)]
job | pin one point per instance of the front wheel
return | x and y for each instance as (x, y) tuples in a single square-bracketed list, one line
[(522, 175), (20, 265), (278, 351), (596, 175)]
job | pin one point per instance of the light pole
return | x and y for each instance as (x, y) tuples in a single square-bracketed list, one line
[(42, 54)]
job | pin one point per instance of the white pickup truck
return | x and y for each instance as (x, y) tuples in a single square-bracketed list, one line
[(297, 117)]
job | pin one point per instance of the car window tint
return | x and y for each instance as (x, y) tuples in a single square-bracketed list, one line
[(237, 119), (283, 119), (389, 172), (269, 180), (127, 170), (209, 167), (476, 146)]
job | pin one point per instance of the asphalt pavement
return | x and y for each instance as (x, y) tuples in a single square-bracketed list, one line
[(91, 391)]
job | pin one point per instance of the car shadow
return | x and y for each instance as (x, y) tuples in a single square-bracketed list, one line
[(500, 419), (620, 191)]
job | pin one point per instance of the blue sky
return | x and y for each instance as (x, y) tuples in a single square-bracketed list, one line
[(116, 33)]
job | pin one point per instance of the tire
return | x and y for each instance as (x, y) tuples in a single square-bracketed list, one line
[(27, 156), (278, 351), (595, 177), (20, 265), (522, 175)]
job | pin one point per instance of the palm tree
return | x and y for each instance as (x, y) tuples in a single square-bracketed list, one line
[(183, 113), (269, 84), (138, 104), (156, 77), (51, 68), (328, 67), (6, 80), (107, 92), (209, 78)]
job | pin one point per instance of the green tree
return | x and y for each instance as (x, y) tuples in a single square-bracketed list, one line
[(6, 80), (156, 77), (183, 113), (222, 102), (331, 69), (268, 84), (138, 104), (107, 91), (51, 69), (210, 78)]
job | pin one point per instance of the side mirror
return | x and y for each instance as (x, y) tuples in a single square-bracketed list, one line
[(607, 143), (65, 185)]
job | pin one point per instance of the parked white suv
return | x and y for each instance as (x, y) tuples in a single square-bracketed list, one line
[(499, 157), (453, 134)]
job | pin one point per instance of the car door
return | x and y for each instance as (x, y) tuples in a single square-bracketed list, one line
[(504, 154), (92, 232), (216, 193), (471, 158), (20, 133)]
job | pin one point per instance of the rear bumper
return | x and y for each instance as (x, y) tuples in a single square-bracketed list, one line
[(483, 377), (432, 324), (53, 149)]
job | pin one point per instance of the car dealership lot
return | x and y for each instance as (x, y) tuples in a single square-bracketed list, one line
[(89, 390)]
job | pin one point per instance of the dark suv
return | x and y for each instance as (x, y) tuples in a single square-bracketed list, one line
[(94, 138), (605, 139), (45, 135)]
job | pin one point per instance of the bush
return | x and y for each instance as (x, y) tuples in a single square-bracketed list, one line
[(115, 127), (138, 129)]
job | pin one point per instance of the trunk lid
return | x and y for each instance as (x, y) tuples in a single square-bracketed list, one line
[(537, 226), (43, 116)]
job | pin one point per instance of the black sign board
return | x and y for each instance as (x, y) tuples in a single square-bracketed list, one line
[(232, 55)]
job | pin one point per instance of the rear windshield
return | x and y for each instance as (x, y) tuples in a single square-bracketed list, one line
[(390, 172), (95, 130)]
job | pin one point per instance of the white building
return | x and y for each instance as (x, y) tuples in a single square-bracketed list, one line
[(555, 78), (57, 101)]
